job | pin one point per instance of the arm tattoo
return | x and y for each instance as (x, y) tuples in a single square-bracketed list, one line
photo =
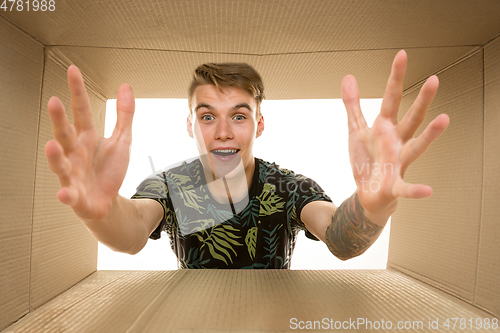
[(348, 234)]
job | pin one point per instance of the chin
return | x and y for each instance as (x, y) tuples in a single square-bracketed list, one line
[(221, 168)]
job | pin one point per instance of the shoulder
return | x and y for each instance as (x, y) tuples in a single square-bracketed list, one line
[(184, 167), (271, 167), (270, 172), (288, 183), (183, 172)]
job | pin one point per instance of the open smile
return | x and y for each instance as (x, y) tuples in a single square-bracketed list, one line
[(225, 154)]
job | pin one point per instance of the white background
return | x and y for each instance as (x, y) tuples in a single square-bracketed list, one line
[(306, 136)]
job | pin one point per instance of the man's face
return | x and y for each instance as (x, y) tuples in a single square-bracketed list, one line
[(224, 125)]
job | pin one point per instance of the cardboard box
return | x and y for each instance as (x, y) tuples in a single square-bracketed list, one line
[(242, 300), (450, 241)]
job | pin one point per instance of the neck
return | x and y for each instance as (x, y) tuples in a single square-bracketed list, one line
[(233, 188)]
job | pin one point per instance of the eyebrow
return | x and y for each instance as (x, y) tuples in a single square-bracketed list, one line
[(202, 105), (243, 105), (236, 107)]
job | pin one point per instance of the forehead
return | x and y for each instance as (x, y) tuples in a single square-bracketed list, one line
[(230, 96)]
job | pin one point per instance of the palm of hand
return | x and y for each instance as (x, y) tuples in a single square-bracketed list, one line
[(380, 155), (375, 163), (99, 166), (89, 167)]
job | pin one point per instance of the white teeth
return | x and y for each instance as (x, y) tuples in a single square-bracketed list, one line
[(226, 150)]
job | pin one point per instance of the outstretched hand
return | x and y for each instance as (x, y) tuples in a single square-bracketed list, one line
[(380, 155), (89, 167)]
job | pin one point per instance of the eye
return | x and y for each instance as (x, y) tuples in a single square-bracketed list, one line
[(207, 117), (239, 117)]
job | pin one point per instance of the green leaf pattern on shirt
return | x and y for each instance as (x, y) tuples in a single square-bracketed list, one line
[(219, 241), (204, 234), (251, 241)]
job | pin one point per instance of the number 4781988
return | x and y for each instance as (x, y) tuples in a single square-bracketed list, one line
[(28, 5)]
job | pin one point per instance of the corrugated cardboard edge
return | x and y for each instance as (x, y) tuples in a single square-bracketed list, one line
[(487, 293), (21, 86)]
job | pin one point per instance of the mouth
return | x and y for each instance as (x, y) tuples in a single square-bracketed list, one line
[(225, 152)]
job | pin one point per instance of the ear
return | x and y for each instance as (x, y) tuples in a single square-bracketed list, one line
[(260, 126), (190, 126)]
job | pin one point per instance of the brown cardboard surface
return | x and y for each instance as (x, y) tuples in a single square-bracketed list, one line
[(244, 300), (20, 89), (63, 251), (159, 74), (488, 272), (303, 48), (263, 27), (436, 239)]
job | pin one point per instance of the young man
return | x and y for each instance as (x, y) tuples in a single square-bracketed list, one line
[(228, 209)]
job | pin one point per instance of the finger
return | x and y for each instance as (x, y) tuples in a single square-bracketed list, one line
[(350, 97), (416, 147), (64, 132), (394, 88), (79, 100), (416, 115), (58, 163), (411, 191), (68, 196), (125, 107)]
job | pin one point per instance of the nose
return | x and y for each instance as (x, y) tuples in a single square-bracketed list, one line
[(223, 131)]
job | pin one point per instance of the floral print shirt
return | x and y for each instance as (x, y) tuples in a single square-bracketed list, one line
[(259, 232)]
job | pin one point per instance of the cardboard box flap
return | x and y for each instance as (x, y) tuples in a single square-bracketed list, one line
[(159, 74), (303, 48), (436, 239), (62, 250), (488, 271), (247, 300), (262, 27), (21, 71)]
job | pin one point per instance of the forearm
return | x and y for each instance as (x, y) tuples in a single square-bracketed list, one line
[(123, 229), (353, 230)]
